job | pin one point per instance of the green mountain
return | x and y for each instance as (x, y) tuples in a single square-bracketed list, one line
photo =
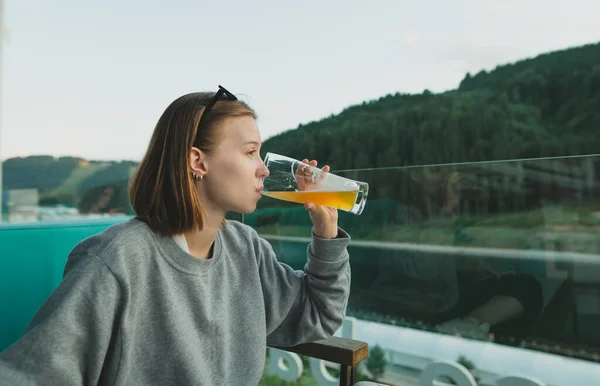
[(544, 106)]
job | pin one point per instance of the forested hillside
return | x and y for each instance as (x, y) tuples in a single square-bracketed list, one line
[(545, 106)]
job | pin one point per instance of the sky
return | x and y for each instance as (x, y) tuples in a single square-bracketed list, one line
[(90, 78)]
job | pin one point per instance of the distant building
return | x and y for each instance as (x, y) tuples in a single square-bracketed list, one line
[(22, 205)]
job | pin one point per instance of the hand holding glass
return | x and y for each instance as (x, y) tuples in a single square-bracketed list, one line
[(295, 181)]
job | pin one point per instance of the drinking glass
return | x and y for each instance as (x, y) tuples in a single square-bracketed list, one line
[(294, 181)]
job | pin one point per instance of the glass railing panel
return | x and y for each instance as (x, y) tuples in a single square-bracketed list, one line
[(496, 253), (49, 189)]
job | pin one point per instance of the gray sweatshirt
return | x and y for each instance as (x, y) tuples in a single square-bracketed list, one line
[(133, 308)]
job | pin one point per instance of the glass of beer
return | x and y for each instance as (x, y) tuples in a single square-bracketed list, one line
[(294, 181)]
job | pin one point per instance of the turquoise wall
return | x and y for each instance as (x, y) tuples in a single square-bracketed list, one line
[(32, 259)]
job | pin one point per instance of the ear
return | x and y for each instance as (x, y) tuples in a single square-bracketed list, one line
[(198, 162)]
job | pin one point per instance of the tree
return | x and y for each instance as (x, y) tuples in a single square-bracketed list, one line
[(469, 365), (376, 362)]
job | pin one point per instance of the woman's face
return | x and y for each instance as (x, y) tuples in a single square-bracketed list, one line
[(234, 169)]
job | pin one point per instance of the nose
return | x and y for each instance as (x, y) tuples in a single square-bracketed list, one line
[(263, 172)]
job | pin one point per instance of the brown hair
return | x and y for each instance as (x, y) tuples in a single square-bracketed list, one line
[(162, 192)]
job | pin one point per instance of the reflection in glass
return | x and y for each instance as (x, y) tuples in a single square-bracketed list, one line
[(504, 252)]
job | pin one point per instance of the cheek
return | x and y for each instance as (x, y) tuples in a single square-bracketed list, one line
[(234, 171), (228, 181)]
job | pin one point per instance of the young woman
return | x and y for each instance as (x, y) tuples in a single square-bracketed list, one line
[(178, 295)]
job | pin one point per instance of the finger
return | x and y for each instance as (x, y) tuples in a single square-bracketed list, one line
[(309, 206), (313, 163), (326, 168), (307, 173)]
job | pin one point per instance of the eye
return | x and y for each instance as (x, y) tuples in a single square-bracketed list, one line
[(252, 152)]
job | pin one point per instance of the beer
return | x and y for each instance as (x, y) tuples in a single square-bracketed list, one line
[(343, 200), (295, 181)]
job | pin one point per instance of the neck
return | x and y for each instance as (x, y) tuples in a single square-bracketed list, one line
[(201, 242)]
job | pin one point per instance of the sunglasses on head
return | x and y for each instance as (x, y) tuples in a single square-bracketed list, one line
[(221, 95)]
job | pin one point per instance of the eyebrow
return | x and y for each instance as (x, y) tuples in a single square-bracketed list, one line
[(252, 142)]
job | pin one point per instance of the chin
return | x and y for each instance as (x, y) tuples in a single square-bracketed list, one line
[(246, 210), (249, 211)]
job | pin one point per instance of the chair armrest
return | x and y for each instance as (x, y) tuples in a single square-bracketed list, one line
[(347, 352)]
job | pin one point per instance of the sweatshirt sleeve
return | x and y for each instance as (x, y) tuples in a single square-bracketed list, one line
[(304, 306), (68, 339)]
